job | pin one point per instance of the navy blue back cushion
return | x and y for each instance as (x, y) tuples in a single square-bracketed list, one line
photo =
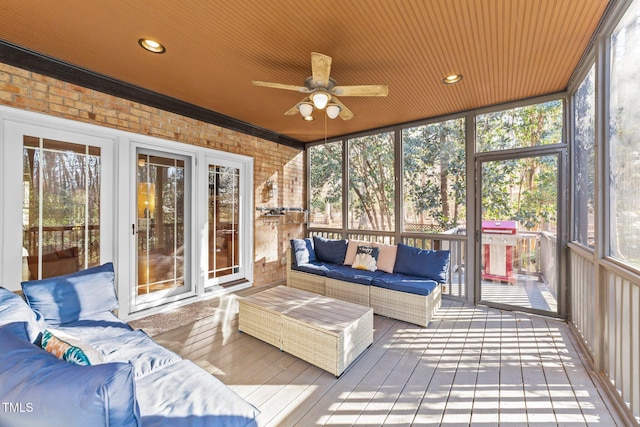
[(330, 250), (72, 297), (426, 263), (302, 251), (15, 314)]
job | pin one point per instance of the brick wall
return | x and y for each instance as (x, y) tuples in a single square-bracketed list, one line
[(281, 164)]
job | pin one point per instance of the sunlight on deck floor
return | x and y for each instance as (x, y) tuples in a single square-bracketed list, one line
[(471, 365)]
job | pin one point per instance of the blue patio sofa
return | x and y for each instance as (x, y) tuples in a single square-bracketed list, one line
[(406, 285), (131, 380)]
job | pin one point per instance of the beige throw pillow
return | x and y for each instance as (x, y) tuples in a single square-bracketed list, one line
[(386, 256), (352, 248)]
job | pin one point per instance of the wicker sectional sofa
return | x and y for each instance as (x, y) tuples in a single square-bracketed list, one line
[(406, 285)]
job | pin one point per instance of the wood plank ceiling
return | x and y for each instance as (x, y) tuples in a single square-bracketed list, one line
[(505, 49)]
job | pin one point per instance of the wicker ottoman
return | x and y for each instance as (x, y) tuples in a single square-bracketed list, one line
[(323, 331)]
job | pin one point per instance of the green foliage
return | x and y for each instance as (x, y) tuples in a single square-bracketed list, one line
[(66, 186), (529, 126), (584, 155), (521, 189), (372, 182), (623, 143), (434, 172), (325, 177)]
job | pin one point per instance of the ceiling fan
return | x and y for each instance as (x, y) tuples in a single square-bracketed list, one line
[(323, 91)]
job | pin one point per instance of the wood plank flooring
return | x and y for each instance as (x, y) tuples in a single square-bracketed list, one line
[(471, 366)]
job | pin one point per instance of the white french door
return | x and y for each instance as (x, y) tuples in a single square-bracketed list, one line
[(176, 219), (55, 183), (163, 226)]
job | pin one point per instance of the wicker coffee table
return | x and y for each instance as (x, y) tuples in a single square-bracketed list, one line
[(323, 331)]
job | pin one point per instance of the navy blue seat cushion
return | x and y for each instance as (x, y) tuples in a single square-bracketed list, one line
[(330, 250), (56, 392), (426, 263), (316, 267), (348, 274), (403, 283), (302, 251)]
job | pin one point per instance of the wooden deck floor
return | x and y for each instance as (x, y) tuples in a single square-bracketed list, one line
[(471, 366)]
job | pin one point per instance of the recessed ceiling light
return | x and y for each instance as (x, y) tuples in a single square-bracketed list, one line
[(452, 78), (152, 45)]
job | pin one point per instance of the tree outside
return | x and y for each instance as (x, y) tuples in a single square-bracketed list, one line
[(624, 143), (61, 210), (521, 189), (325, 176), (434, 174), (372, 182), (434, 177)]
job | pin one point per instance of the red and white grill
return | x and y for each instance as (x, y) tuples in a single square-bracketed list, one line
[(499, 239)]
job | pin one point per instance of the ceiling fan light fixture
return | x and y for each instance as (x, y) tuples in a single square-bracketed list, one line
[(452, 78), (320, 99), (333, 110), (305, 109), (320, 90), (152, 45), (308, 118)]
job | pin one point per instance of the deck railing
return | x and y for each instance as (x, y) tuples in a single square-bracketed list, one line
[(583, 297), (535, 253), (605, 312), (55, 238)]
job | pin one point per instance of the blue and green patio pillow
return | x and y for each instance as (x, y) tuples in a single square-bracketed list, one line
[(68, 348)]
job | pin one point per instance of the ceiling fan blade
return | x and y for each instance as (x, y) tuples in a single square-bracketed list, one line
[(291, 111), (345, 113), (364, 90), (320, 68), (295, 110), (281, 86)]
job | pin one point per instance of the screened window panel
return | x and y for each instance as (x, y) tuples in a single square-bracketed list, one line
[(528, 126), (584, 161), (434, 177), (325, 177), (371, 182), (624, 142)]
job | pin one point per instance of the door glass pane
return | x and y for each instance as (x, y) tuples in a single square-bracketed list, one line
[(61, 207), (224, 183), (519, 232), (161, 223)]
